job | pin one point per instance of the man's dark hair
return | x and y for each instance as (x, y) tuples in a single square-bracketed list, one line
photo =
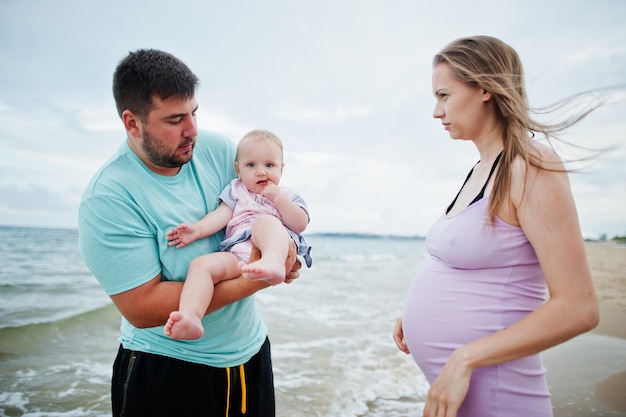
[(149, 72)]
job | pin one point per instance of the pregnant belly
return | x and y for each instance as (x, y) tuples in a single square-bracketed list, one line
[(447, 308)]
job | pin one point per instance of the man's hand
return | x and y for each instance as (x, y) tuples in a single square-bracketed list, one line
[(292, 264)]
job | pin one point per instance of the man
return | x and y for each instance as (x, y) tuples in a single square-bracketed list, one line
[(166, 173)]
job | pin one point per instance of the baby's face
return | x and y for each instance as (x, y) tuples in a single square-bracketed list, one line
[(259, 162)]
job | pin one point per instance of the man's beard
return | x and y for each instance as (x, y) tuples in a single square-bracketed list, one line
[(157, 154)]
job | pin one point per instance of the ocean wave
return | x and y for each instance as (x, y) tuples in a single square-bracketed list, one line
[(27, 304), (59, 368), (98, 316), (333, 355)]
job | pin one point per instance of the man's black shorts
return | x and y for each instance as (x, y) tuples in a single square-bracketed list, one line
[(148, 385)]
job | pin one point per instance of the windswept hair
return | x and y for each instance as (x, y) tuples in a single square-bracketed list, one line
[(146, 73), (491, 64)]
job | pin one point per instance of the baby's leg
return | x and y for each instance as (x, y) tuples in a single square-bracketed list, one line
[(204, 272), (273, 240)]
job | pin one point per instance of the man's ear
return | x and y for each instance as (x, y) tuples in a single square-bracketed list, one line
[(132, 123)]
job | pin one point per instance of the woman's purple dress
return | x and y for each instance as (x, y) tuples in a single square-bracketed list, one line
[(480, 278)]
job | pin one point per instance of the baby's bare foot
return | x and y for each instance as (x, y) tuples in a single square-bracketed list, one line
[(181, 326), (272, 272)]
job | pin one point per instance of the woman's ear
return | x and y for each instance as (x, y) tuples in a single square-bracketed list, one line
[(486, 95)]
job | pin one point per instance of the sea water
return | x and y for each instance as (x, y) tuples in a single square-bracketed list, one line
[(332, 349)]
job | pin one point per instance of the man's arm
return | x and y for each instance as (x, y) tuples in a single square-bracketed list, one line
[(150, 304)]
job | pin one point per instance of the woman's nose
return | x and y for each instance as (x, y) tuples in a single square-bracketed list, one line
[(437, 112)]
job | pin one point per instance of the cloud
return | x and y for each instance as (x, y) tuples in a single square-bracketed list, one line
[(346, 85), (337, 113), (34, 199)]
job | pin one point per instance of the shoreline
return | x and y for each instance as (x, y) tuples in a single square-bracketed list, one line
[(587, 374)]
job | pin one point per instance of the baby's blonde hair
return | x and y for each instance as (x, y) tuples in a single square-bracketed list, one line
[(259, 134)]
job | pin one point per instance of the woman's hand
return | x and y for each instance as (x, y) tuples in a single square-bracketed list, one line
[(447, 393), (398, 337)]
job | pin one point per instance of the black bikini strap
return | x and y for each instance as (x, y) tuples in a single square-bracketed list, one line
[(482, 191), (461, 189)]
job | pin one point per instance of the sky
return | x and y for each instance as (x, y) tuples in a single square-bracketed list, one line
[(345, 84)]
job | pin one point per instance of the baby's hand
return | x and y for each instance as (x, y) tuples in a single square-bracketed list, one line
[(270, 191), (182, 235)]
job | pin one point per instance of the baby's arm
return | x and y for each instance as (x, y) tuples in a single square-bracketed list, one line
[(294, 216), (213, 222)]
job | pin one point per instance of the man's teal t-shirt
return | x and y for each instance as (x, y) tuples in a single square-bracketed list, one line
[(124, 215)]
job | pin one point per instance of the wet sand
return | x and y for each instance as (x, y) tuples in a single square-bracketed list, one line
[(587, 375)]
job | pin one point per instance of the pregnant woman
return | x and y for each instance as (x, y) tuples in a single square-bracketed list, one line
[(476, 317)]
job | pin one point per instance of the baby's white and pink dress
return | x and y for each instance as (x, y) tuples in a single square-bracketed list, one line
[(246, 207)]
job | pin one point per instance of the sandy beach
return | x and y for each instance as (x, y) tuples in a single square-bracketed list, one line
[(587, 375)]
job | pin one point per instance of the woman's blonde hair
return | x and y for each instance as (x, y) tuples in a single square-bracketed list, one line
[(492, 65)]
